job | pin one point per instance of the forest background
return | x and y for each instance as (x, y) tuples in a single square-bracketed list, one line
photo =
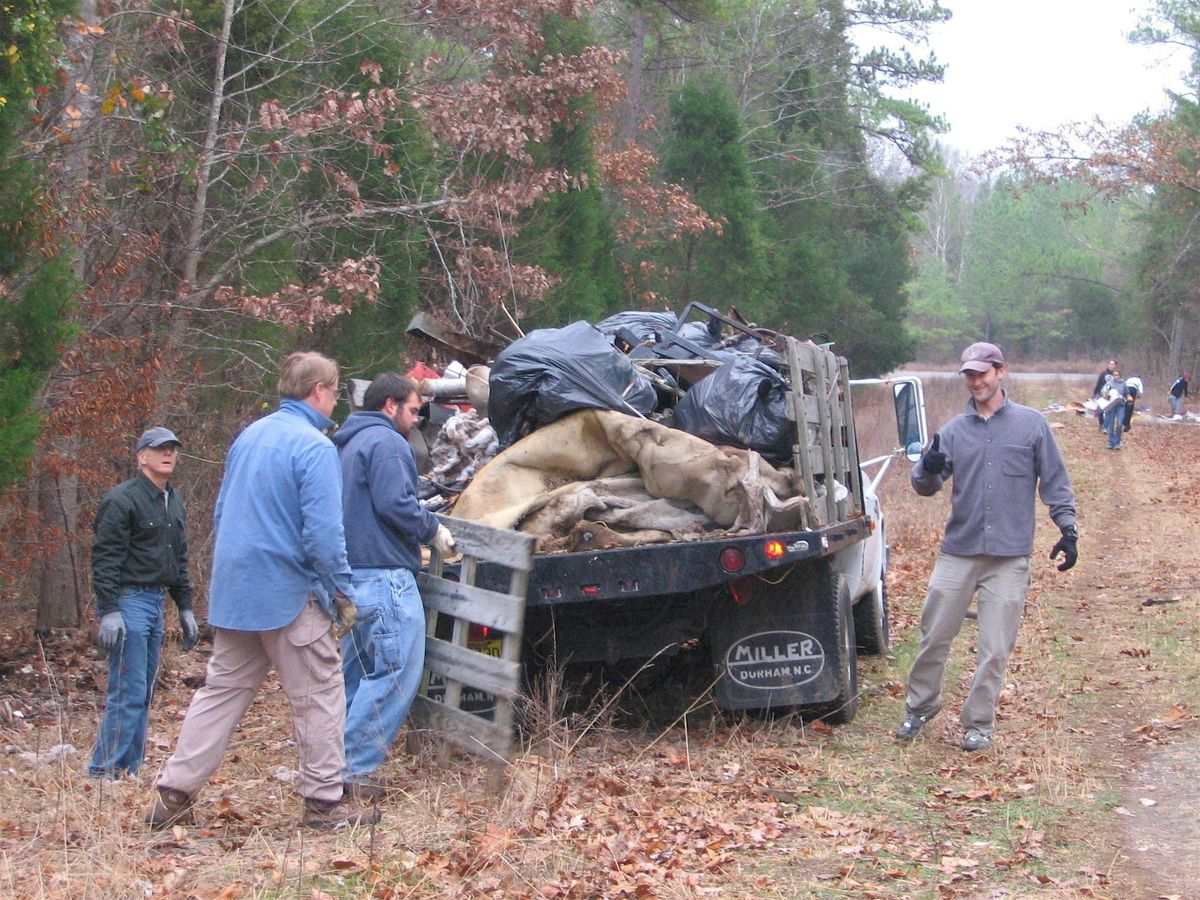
[(191, 193)]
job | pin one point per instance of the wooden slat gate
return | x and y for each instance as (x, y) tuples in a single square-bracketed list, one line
[(457, 666), (819, 404)]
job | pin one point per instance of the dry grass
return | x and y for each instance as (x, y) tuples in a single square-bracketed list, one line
[(702, 804)]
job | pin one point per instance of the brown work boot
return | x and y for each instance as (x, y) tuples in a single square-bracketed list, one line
[(363, 792), (344, 813), (171, 807)]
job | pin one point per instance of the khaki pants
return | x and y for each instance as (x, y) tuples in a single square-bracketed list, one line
[(305, 655), (1002, 583)]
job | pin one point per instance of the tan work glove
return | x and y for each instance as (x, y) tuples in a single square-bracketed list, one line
[(347, 613), (443, 541)]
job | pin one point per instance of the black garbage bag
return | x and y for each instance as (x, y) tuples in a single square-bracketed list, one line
[(643, 326), (741, 404), (752, 346), (650, 327), (553, 371)]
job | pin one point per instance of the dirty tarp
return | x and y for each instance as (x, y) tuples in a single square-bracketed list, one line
[(597, 478), (554, 371)]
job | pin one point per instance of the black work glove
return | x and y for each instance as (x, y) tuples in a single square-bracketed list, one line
[(1067, 547), (191, 630), (936, 462)]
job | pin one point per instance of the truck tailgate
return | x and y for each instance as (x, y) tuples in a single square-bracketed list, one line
[(673, 568)]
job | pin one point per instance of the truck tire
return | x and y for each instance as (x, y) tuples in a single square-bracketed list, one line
[(871, 622), (844, 707)]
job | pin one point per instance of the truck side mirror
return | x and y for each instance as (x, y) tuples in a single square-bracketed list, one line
[(910, 417)]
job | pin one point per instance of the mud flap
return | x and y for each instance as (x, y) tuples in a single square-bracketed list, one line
[(786, 646)]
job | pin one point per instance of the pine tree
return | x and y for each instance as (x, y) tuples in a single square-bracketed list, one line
[(705, 154), (37, 288)]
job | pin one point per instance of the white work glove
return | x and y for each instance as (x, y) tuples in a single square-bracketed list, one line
[(443, 541), (191, 631), (112, 630)]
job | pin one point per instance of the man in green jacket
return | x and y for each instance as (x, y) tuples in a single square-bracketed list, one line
[(139, 555)]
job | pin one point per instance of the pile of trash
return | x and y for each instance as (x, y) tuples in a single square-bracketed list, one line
[(729, 390), (714, 391)]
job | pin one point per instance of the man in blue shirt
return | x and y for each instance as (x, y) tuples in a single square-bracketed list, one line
[(384, 653), (139, 555), (999, 455), (1113, 400), (280, 579)]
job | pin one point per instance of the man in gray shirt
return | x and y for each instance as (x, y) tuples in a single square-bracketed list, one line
[(998, 453)]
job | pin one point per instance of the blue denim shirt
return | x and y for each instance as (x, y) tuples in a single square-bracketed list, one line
[(278, 523), (998, 465)]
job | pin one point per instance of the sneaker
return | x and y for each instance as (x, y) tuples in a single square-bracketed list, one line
[(338, 814), (975, 739), (911, 727), (171, 807)]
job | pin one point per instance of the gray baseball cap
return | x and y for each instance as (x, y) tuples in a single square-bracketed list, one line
[(156, 437), (980, 357)]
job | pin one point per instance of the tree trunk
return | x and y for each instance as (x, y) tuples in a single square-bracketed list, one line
[(59, 571), (635, 76), (1175, 345), (193, 237)]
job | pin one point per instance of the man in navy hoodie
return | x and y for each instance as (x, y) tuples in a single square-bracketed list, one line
[(384, 653)]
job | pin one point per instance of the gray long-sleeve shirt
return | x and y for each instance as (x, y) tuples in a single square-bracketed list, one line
[(998, 463)]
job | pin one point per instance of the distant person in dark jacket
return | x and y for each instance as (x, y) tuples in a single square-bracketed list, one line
[(139, 555), (1133, 390), (1179, 390), (1098, 389), (383, 655)]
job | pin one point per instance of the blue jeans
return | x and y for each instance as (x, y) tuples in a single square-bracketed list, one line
[(1114, 421), (383, 657), (1176, 404), (132, 670)]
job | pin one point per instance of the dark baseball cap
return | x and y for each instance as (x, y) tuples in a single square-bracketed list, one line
[(980, 357), (156, 437)]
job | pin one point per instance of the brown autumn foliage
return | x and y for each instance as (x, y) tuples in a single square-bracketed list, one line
[(203, 176), (1160, 152)]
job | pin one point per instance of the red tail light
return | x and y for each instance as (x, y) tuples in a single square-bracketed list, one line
[(733, 559)]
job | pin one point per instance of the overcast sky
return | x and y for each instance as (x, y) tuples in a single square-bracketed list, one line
[(1041, 63)]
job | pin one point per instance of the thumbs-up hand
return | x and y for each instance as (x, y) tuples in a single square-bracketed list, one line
[(936, 462)]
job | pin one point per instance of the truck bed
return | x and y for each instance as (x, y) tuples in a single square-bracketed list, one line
[(672, 568)]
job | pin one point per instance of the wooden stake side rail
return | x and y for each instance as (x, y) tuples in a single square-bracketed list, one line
[(459, 666), (800, 414), (820, 406), (854, 472)]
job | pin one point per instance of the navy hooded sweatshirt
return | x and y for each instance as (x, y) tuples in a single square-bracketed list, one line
[(385, 523)]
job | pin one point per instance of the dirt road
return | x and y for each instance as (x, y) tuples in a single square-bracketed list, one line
[(1132, 616)]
